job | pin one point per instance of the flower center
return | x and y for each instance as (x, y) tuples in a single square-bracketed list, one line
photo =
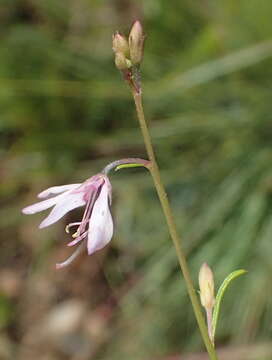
[(82, 230)]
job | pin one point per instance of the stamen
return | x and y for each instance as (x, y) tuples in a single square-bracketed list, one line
[(72, 257), (81, 232), (87, 213), (77, 239), (67, 227)]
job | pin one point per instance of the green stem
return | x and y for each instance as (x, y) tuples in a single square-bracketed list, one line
[(155, 172), (209, 324)]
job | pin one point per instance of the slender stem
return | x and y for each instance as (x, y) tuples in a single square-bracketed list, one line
[(209, 323), (155, 172)]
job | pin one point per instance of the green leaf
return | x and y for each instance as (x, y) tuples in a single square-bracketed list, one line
[(124, 166), (220, 295)]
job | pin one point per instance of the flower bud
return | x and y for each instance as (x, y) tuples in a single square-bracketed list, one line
[(206, 286), (120, 44), (136, 43), (121, 61)]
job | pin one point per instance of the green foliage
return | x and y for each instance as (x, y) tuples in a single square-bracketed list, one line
[(6, 311), (219, 297)]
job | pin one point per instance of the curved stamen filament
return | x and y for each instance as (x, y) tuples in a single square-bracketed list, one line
[(77, 239), (87, 214), (80, 232), (67, 227), (72, 257)]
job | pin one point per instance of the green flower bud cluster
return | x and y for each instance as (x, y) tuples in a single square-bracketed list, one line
[(129, 53)]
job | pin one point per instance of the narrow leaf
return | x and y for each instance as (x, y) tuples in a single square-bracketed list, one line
[(220, 295), (124, 166)]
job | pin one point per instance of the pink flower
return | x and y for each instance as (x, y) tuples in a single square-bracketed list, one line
[(96, 226)]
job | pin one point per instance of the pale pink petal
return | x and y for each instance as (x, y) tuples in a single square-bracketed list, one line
[(66, 204), (101, 225), (42, 205), (109, 188), (57, 190)]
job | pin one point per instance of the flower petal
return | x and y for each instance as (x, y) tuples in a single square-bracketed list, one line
[(67, 203), (107, 181), (101, 225), (40, 206), (57, 190)]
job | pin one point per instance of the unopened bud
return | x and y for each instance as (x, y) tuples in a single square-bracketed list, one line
[(206, 286), (136, 43), (120, 44), (121, 62)]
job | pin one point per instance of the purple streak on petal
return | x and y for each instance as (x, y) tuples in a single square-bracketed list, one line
[(101, 225), (71, 258), (90, 187), (67, 203), (57, 190), (42, 205)]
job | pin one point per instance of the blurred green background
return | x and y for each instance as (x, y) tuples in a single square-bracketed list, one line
[(65, 113)]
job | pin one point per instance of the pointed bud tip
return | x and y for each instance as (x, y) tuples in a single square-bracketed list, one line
[(205, 273), (136, 43), (120, 44), (205, 266), (137, 24)]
